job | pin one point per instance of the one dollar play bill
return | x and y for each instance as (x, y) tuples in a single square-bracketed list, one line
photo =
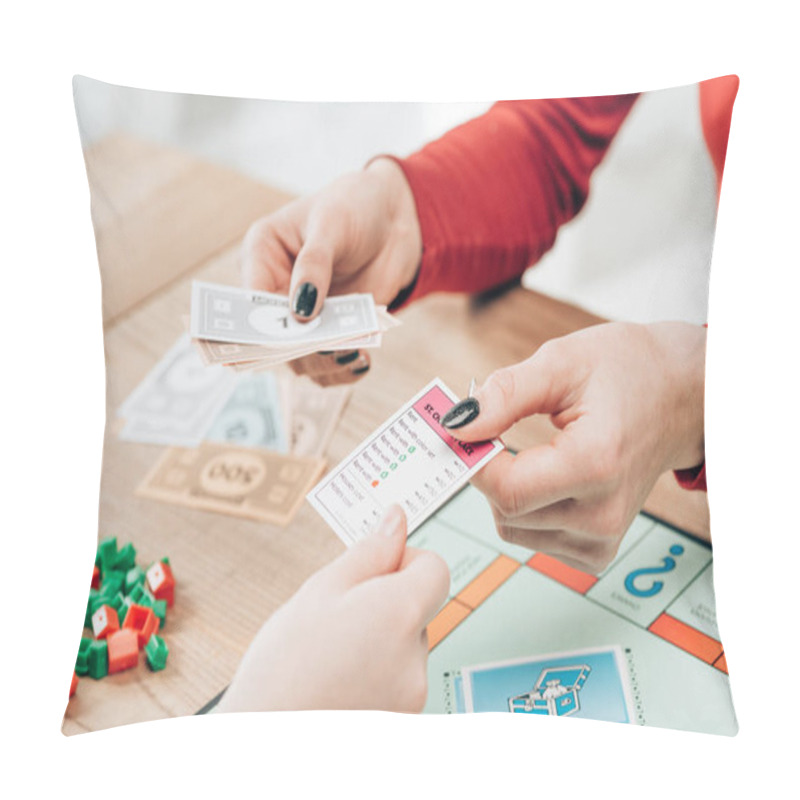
[(245, 316), (240, 481)]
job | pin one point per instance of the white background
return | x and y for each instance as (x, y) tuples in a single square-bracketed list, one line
[(52, 389)]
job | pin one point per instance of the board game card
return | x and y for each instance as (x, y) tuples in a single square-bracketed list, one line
[(410, 460)]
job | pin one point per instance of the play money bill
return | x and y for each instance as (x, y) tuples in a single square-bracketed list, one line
[(278, 358), (242, 482), (257, 414), (232, 353), (246, 316), (315, 412), (410, 460), (177, 400)]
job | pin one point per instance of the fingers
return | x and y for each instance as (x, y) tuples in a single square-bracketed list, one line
[(564, 531), (311, 279), (535, 478), (578, 516), (573, 549), (378, 554), (329, 369), (313, 267), (294, 249), (268, 252), (538, 385), (422, 584)]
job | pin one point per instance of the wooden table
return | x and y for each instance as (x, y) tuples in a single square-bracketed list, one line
[(163, 218)]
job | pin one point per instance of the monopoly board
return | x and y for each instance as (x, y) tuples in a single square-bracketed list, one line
[(523, 633)]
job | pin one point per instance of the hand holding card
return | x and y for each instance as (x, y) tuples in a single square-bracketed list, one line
[(311, 654), (411, 460)]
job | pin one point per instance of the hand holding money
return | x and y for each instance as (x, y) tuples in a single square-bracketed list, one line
[(189, 399), (358, 234), (250, 330), (353, 637)]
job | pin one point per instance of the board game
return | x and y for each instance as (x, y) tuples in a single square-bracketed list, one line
[(523, 633)]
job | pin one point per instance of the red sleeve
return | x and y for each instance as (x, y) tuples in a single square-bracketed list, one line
[(492, 193), (693, 478), (716, 108)]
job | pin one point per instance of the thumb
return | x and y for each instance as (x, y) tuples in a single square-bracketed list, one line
[(380, 553), (313, 267), (538, 385)]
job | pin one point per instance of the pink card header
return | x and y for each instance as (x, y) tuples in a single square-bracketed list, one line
[(432, 406)]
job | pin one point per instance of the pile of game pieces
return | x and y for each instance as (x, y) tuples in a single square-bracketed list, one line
[(250, 330), (127, 606)]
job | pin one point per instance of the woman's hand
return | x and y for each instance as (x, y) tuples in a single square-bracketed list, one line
[(628, 402), (359, 234), (354, 635)]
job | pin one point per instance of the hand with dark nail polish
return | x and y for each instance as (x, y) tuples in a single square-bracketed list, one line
[(305, 299), (626, 403), (347, 358), (461, 414), (359, 234)]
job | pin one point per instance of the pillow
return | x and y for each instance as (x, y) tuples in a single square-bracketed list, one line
[(536, 219)]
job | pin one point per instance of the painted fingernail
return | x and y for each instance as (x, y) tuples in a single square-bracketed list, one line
[(348, 358), (305, 299), (361, 370), (461, 413), (325, 352)]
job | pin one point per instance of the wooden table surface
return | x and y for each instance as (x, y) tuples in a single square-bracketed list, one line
[(163, 218)]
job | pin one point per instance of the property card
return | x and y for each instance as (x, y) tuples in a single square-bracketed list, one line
[(410, 460)]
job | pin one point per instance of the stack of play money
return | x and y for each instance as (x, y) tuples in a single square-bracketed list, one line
[(249, 330), (247, 445), (182, 402)]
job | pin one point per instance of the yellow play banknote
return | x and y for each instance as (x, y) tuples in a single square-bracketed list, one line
[(243, 482)]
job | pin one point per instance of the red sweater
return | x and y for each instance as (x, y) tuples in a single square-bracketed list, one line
[(492, 193)]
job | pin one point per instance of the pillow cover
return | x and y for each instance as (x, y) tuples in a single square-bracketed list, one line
[(534, 220)]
